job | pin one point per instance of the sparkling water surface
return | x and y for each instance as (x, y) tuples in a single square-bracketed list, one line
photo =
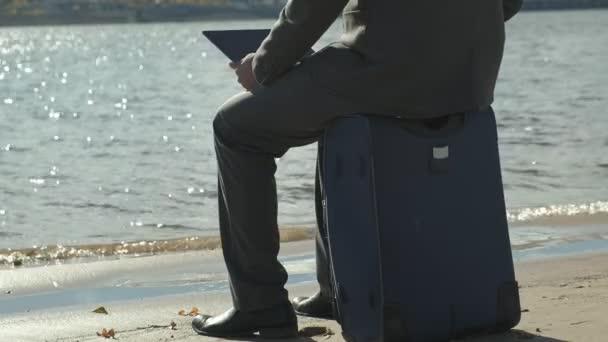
[(105, 131)]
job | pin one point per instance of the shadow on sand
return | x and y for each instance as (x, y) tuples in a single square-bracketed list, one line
[(511, 336), (305, 334), (316, 334)]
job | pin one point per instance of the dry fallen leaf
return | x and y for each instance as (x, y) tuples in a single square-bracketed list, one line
[(101, 310), (195, 311), (107, 333)]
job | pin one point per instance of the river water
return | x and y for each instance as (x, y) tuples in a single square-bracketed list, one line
[(105, 131)]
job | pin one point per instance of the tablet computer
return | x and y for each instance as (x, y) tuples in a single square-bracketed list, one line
[(236, 44)]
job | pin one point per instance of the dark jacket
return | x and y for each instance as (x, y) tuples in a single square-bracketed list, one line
[(415, 58)]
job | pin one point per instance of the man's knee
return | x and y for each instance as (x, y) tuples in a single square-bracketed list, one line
[(226, 120), (223, 132), (218, 125), (231, 117), (230, 130)]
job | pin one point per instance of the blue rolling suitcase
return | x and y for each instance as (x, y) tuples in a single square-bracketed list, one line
[(417, 230)]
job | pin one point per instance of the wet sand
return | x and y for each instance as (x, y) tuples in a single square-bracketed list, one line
[(563, 299)]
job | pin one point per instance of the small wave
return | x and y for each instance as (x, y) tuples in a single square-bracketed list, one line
[(528, 186), (8, 192), (12, 148), (565, 214), (125, 191), (590, 98), (190, 202), (101, 155), (169, 226), (528, 171), (94, 205), (10, 234), (527, 142), (59, 253), (150, 153)]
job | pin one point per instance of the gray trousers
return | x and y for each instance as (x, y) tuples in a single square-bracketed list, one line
[(251, 130)]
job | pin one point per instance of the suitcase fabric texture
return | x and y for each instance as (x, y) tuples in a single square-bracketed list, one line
[(417, 229)]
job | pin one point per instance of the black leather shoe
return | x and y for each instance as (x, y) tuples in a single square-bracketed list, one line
[(276, 322), (317, 306)]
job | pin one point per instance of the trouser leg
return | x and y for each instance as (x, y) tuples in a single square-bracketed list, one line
[(248, 226), (250, 131)]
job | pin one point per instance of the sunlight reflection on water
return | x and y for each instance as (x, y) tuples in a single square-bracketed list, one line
[(105, 127)]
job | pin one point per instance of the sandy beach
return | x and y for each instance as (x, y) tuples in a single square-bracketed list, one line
[(563, 299)]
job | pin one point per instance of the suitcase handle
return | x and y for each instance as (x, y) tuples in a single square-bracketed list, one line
[(438, 127)]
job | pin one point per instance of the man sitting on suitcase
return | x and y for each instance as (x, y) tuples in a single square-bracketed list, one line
[(414, 59)]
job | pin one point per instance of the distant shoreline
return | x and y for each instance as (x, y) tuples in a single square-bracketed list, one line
[(169, 14), (18, 21)]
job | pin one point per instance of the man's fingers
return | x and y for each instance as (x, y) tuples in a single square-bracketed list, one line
[(244, 73), (245, 83)]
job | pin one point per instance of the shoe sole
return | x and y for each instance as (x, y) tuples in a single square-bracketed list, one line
[(326, 316), (268, 333)]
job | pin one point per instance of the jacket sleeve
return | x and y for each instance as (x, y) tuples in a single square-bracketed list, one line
[(511, 7), (300, 24)]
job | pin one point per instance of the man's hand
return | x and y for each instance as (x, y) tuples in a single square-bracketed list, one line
[(244, 72)]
